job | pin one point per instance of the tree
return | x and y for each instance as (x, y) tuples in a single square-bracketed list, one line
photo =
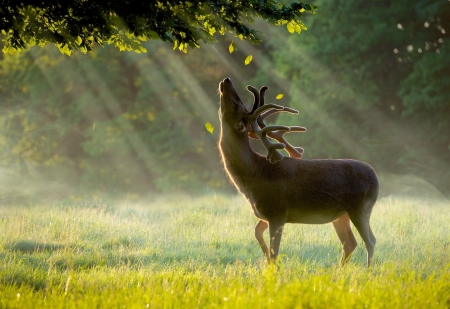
[(80, 25), (108, 121), (372, 86)]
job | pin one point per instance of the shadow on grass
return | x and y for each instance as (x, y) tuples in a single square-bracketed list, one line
[(222, 252), (34, 269), (30, 246), (126, 242)]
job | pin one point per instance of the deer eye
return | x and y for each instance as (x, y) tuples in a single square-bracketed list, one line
[(241, 127)]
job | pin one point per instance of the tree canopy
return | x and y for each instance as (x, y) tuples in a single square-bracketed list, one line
[(80, 25), (373, 85)]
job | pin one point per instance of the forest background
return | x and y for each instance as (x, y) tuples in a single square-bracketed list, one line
[(371, 80)]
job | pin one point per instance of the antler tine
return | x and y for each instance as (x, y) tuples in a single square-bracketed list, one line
[(294, 152), (261, 131), (272, 153), (259, 110), (256, 97), (262, 92), (274, 128), (273, 111)]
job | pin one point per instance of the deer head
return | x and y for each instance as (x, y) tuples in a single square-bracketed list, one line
[(235, 115), (232, 112)]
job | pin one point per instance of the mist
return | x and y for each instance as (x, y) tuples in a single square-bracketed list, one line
[(126, 126)]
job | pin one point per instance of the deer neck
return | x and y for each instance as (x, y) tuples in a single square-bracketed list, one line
[(237, 155)]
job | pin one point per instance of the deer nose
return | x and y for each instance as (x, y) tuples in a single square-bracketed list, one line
[(227, 80)]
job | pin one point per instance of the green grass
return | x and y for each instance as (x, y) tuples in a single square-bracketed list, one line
[(200, 252)]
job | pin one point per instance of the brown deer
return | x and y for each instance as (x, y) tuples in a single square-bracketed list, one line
[(288, 190)]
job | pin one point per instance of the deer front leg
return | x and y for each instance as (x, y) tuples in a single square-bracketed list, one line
[(259, 232), (345, 234), (275, 230)]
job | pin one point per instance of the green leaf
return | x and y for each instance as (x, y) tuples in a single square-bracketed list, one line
[(142, 49), (291, 27), (248, 59), (187, 21), (64, 49), (142, 38), (183, 47), (232, 47), (209, 127), (279, 97)]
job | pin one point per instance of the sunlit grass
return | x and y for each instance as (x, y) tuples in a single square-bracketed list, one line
[(201, 252)]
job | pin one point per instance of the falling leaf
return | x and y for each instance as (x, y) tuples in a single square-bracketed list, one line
[(280, 96), (232, 47), (248, 59), (93, 127), (209, 127)]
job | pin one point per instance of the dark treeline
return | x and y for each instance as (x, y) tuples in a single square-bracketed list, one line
[(374, 84), (371, 80)]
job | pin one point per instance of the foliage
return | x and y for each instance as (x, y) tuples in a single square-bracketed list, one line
[(100, 123), (184, 252), (372, 86), (80, 25)]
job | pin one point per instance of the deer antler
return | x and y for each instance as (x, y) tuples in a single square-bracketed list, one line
[(294, 152), (257, 123), (273, 155)]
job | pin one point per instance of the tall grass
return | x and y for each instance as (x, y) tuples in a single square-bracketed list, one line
[(201, 252)]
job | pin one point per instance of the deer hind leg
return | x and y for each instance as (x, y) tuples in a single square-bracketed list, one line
[(275, 230), (362, 224), (345, 234), (259, 232)]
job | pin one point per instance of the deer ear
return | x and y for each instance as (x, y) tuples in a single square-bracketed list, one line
[(241, 127)]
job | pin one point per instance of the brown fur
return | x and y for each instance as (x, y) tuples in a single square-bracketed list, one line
[(293, 190)]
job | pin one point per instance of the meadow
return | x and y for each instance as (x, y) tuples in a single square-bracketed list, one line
[(200, 252)]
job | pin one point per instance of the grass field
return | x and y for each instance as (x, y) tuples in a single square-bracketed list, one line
[(200, 252)]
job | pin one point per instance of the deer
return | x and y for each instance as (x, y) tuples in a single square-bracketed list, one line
[(290, 189)]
